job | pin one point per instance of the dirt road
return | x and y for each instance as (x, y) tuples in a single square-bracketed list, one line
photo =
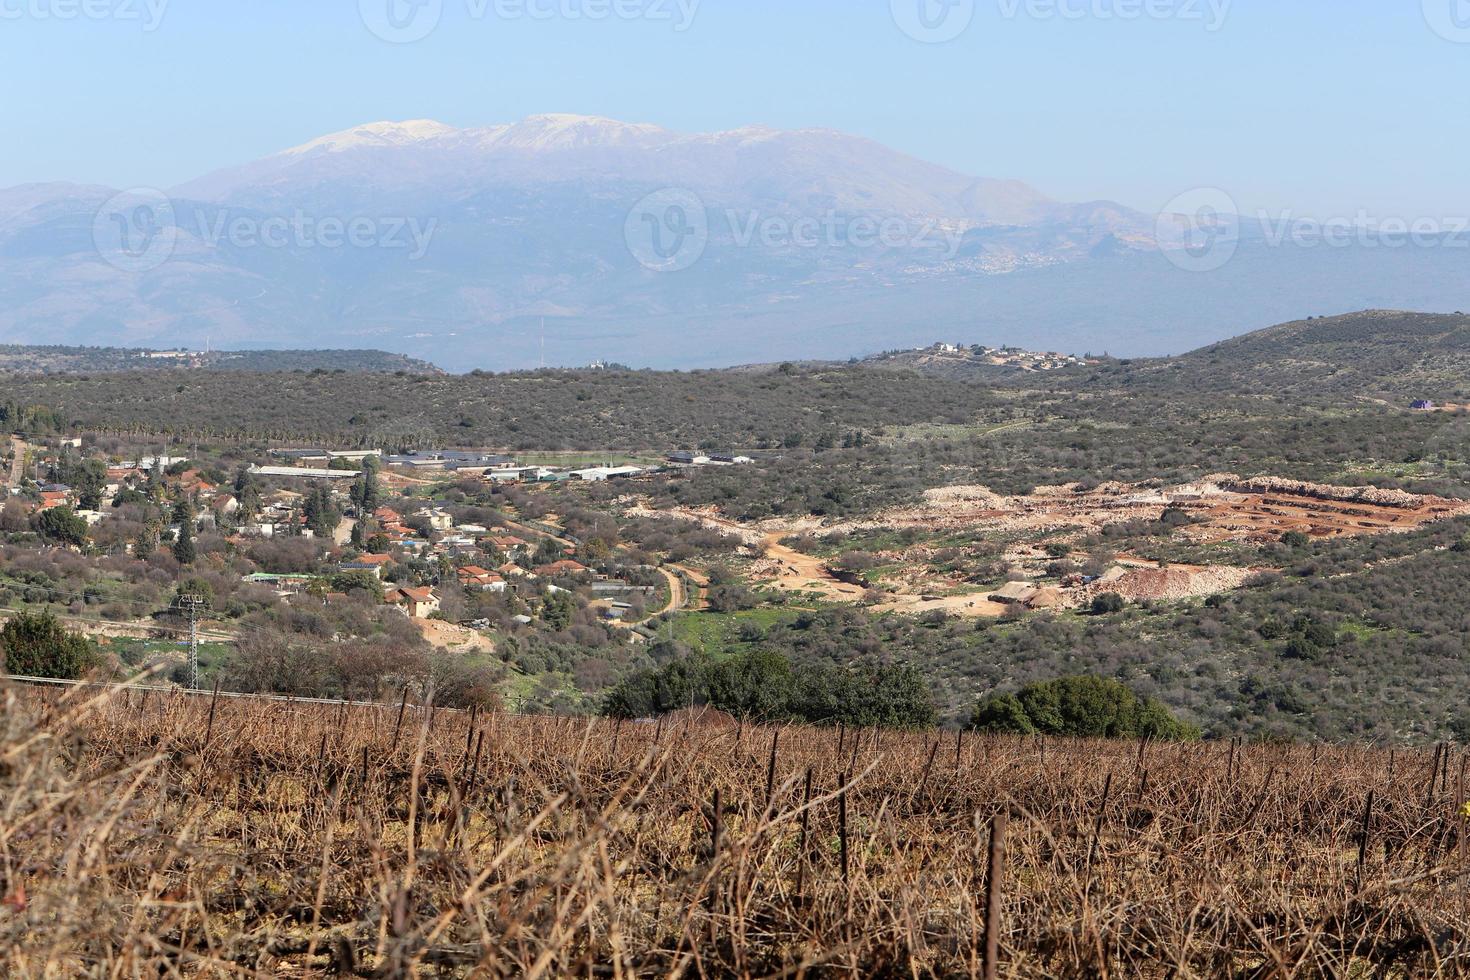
[(804, 573), (677, 597), (17, 462), (794, 571), (978, 606), (700, 583)]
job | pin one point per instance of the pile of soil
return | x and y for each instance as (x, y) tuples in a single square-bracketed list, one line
[(1177, 582)]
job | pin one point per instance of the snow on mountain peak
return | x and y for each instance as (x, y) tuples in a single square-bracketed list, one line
[(566, 131), (376, 134)]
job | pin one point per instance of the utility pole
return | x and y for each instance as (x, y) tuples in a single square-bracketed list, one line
[(191, 605)]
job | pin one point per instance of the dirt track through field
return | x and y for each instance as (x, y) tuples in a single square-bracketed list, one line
[(804, 573), (18, 461), (793, 571)]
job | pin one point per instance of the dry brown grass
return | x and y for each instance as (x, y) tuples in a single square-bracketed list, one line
[(137, 838)]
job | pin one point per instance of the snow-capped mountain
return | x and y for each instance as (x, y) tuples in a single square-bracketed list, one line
[(757, 166), (632, 242)]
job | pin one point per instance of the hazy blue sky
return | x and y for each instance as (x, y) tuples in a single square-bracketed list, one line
[(1323, 106)]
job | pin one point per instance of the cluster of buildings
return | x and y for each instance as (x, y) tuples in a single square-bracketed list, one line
[(323, 464), (1015, 357), (457, 554), (121, 476)]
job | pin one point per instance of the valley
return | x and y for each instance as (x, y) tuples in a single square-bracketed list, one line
[(1237, 555)]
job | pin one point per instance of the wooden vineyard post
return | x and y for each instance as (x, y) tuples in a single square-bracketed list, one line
[(1364, 833), (398, 725), (801, 851), (842, 831), (771, 767), (209, 726), (994, 873)]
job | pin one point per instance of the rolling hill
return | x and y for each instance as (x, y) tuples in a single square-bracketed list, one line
[(1392, 355), (22, 359)]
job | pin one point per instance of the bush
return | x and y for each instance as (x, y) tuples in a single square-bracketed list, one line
[(36, 645), (1107, 604), (765, 686), (1080, 707)]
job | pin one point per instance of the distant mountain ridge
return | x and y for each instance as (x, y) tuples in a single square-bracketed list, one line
[(23, 359), (755, 166), (505, 245)]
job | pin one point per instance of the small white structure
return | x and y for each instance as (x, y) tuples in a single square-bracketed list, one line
[(600, 473), (305, 473)]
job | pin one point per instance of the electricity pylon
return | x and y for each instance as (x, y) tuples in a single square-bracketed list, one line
[(191, 605)]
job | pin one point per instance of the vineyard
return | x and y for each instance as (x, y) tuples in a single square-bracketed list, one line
[(144, 833)]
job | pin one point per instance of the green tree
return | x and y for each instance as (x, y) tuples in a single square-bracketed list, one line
[(147, 541), (1003, 713), (62, 525), (767, 687), (87, 477), (36, 645), (548, 551), (755, 685), (184, 512), (351, 581), (1080, 707), (365, 494), (1107, 603), (322, 516), (557, 611), (184, 544)]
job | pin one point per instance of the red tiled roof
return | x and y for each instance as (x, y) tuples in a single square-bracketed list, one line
[(565, 566)]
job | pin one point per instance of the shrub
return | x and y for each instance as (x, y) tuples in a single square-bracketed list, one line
[(36, 645), (766, 686), (1080, 707)]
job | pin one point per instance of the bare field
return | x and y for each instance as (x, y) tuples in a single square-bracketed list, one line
[(1221, 508), (169, 836), (1225, 507)]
